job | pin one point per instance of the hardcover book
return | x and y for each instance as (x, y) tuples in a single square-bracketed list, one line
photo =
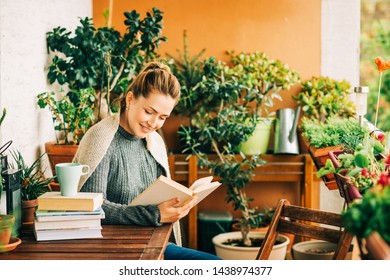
[(164, 189), (84, 201), (67, 224), (55, 215), (63, 234)]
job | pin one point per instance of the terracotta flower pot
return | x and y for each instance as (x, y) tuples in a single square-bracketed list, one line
[(59, 153), (28, 210), (346, 189), (320, 156), (6, 223)]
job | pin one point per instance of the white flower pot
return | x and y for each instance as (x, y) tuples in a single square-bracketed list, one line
[(227, 252), (316, 250)]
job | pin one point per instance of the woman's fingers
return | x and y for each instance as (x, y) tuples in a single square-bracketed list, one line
[(169, 213)]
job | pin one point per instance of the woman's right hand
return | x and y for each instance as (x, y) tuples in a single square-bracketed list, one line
[(170, 214)]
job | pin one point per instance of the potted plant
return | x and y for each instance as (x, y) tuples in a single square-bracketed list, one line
[(102, 58), (6, 224), (334, 134), (263, 79), (358, 170), (321, 97), (369, 218), (221, 124), (70, 119), (33, 184), (95, 65)]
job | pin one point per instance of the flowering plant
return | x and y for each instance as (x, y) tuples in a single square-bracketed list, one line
[(361, 167), (372, 212)]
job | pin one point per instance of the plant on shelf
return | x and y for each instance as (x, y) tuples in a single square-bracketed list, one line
[(371, 214), (72, 119), (334, 134), (33, 184), (103, 58), (335, 131), (93, 66), (322, 97), (357, 170), (263, 79)]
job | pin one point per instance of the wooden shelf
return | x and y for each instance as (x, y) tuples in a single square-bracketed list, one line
[(278, 168)]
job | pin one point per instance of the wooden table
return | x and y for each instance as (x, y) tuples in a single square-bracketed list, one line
[(119, 242)]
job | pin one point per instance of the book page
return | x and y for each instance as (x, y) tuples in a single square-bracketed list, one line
[(202, 191), (200, 182), (161, 190)]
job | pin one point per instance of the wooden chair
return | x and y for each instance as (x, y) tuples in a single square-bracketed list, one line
[(294, 219)]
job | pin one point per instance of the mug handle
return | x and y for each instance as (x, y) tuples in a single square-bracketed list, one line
[(82, 169)]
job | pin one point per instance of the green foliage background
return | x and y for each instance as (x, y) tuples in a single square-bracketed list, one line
[(375, 41)]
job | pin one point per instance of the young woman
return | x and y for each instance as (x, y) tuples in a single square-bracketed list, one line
[(126, 155)]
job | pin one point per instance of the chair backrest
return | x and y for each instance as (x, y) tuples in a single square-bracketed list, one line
[(306, 222)]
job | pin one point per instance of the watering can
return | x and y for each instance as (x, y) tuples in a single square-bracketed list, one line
[(285, 134)]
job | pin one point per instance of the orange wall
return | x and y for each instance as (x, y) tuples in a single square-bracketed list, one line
[(285, 29)]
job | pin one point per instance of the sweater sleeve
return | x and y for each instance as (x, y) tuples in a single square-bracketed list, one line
[(117, 213)]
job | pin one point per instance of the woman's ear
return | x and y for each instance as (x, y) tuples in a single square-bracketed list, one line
[(129, 98)]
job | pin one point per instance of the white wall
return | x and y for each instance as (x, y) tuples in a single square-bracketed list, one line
[(340, 59), (23, 58)]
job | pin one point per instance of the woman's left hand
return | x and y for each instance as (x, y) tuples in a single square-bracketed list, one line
[(169, 213)]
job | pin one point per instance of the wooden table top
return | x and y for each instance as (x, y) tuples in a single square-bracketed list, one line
[(119, 242)]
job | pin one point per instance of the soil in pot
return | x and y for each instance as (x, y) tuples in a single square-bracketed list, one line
[(256, 242)]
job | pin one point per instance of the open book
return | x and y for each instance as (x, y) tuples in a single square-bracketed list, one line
[(164, 189)]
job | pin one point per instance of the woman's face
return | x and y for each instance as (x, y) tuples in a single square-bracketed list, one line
[(145, 115)]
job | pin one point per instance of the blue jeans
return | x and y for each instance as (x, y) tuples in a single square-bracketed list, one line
[(174, 252)]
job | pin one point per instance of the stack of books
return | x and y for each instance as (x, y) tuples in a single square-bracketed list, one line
[(61, 217)]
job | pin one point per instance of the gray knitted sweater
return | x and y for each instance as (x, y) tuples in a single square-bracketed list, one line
[(119, 186), (92, 150)]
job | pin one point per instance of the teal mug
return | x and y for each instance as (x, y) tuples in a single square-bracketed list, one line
[(68, 175)]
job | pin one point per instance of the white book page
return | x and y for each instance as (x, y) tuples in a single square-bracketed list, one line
[(200, 182)]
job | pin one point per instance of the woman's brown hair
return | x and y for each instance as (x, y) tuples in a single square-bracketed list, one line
[(155, 76)]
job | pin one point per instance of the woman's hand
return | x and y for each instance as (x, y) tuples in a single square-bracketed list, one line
[(170, 214)]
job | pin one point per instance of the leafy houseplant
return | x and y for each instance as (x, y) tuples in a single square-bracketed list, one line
[(94, 65), (102, 58), (32, 177), (334, 134), (189, 71), (263, 79), (33, 184), (322, 97), (220, 124), (70, 118), (371, 213), (335, 131), (356, 171)]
